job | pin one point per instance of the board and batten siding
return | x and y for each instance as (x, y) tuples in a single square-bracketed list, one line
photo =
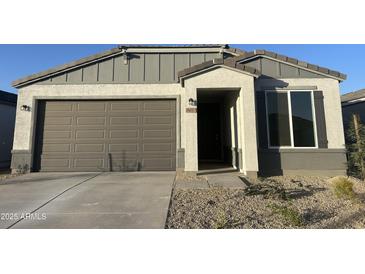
[(275, 69), (140, 68)]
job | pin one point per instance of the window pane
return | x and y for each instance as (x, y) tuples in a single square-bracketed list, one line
[(302, 117), (278, 118)]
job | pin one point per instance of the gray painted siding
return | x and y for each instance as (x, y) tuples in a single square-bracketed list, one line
[(7, 123), (275, 69), (141, 68), (347, 111), (277, 162)]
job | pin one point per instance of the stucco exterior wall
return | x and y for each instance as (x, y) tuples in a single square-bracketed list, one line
[(332, 103), (224, 78), (25, 121), (23, 135), (7, 122), (216, 79)]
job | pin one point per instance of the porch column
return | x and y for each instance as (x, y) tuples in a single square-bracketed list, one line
[(191, 130), (247, 120)]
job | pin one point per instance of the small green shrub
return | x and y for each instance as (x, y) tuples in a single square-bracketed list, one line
[(225, 221), (290, 215), (343, 188), (222, 220)]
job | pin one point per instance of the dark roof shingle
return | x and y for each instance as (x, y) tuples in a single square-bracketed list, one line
[(59, 69), (229, 62), (283, 58), (355, 95)]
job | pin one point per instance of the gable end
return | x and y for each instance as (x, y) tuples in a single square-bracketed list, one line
[(274, 68)]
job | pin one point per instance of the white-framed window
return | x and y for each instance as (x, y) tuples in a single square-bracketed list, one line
[(291, 120)]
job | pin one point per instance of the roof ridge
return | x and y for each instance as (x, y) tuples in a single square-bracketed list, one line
[(173, 46), (95, 57), (229, 62)]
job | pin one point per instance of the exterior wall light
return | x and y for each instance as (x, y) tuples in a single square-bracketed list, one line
[(25, 108), (125, 56), (193, 102)]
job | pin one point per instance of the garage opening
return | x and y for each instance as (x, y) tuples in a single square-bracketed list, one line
[(217, 129), (100, 135)]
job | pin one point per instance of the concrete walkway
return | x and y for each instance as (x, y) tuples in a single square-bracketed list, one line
[(86, 200), (227, 179)]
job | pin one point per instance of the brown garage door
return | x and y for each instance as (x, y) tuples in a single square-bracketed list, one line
[(127, 135)]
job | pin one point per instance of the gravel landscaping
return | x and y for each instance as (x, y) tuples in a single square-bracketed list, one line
[(6, 175), (274, 202)]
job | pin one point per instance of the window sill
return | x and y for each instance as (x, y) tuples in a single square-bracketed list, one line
[(301, 150)]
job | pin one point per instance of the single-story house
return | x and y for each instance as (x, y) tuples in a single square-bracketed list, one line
[(156, 108), (353, 103), (7, 123)]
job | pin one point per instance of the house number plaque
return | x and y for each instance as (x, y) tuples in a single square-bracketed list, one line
[(191, 110)]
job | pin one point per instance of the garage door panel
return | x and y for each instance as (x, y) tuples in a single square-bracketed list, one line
[(126, 135), (47, 148), (89, 148), (90, 163), (128, 164), (158, 106), (158, 120), (97, 120), (91, 106), (125, 106), (51, 164), (58, 120), (158, 164), (80, 134), (157, 133), (58, 106), (117, 148), (157, 147), (118, 121), (57, 134)]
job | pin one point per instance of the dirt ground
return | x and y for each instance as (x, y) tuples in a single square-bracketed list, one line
[(274, 202)]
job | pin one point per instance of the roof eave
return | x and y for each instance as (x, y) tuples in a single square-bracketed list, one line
[(214, 64), (65, 67), (33, 78), (293, 62)]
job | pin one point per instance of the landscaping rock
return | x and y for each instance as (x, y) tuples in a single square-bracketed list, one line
[(275, 202)]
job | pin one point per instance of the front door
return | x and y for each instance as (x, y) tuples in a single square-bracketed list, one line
[(209, 132)]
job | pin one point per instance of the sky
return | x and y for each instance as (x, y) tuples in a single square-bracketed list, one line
[(17, 61)]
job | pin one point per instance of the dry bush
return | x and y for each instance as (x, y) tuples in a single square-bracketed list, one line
[(343, 188)]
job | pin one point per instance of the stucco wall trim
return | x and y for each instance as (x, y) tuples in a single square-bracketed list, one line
[(264, 88)]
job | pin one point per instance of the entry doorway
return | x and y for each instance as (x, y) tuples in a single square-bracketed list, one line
[(217, 129), (210, 132)]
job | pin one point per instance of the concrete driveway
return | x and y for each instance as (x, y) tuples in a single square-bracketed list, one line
[(86, 200)]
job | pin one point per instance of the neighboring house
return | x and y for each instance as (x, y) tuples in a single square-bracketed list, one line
[(7, 123), (154, 108), (353, 103)]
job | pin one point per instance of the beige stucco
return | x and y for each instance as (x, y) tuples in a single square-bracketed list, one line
[(187, 133), (221, 78), (224, 78), (23, 135), (332, 104)]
